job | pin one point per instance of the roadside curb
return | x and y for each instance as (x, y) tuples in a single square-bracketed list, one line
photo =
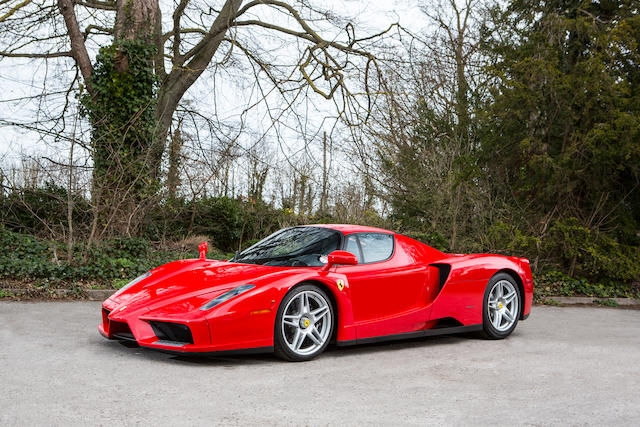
[(589, 300), (99, 294), (90, 294)]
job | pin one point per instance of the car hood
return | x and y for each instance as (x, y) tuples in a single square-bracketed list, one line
[(187, 279)]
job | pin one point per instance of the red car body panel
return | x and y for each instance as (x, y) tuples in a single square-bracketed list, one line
[(411, 292)]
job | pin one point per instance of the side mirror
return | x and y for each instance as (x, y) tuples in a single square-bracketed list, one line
[(340, 258)]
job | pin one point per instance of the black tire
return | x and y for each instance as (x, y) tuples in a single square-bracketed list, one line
[(281, 347), (489, 330)]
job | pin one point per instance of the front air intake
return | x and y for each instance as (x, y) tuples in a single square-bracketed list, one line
[(121, 331), (175, 332)]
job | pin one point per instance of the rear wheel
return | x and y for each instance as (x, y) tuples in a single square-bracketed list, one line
[(501, 308), (304, 324)]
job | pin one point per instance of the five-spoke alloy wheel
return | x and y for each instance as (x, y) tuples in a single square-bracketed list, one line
[(501, 308), (304, 323)]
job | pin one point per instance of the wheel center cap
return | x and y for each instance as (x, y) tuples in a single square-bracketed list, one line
[(500, 306), (305, 322)]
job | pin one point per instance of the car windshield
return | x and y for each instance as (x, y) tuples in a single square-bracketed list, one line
[(293, 247)]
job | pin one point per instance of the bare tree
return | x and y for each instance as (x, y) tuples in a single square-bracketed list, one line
[(422, 135), (190, 48), (200, 37)]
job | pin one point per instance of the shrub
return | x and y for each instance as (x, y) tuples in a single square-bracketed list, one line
[(556, 283), (23, 257), (228, 222), (594, 254), (433, 239), (25, 210), (509, 239)]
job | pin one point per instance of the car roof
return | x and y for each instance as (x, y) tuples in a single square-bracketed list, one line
[(351, 228)]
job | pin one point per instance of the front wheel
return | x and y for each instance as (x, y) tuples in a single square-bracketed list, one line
[(303, 324), (501, 308)]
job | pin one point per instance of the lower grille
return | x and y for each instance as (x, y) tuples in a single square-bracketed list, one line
[(168, 331), (121, 331)]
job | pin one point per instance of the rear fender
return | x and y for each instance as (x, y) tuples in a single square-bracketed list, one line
[(461, 295)]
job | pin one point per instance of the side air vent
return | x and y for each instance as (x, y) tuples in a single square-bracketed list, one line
[(444, 270), (168, 331)]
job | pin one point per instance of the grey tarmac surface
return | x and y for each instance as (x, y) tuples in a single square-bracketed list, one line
[(569, 366)]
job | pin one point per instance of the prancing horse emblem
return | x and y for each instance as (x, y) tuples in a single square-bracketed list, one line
[(340, 284)]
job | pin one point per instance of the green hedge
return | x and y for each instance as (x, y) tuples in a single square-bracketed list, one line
[(26, 258), (556, 283)]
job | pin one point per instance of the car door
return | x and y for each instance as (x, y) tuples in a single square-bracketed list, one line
[(387, 291)]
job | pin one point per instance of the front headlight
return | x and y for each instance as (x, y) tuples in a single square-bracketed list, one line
[(227, 296), (131, 283)]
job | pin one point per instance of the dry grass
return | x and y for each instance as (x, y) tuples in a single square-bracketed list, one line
[(190, 243)]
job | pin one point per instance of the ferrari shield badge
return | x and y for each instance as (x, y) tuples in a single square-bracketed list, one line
[(340, 284)]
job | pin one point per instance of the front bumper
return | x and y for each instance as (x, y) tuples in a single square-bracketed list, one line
[(178, 333), (151, 332)]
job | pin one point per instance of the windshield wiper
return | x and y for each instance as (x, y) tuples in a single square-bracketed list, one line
[(267, 259)]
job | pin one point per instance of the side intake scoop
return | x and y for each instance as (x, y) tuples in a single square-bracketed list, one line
[(443, 271)]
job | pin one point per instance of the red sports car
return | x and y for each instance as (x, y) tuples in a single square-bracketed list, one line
[(303, 287)]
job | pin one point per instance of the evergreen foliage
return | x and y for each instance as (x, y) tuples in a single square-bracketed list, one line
[(561, 131), (550, 166)]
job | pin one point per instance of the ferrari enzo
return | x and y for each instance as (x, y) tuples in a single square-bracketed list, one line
[(302, 288)]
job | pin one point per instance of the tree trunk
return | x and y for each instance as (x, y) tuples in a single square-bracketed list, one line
[(70, 198), (324, 195), (303, 188), (462, 89), (121, 110), (454, 220), (127, 160), (136, 19), (173, 175)]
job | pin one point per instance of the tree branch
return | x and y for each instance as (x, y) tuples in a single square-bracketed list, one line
[(36, 55), (168, 35), (177, 14), (182, 77), (263, 66), (96, 4), (98, 28), (206, 48), (78, 47), (14, 9)]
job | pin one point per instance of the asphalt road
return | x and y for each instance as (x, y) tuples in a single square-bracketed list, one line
[(572, 366)]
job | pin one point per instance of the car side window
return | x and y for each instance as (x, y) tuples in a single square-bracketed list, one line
[(353, 247), (376, 246)]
